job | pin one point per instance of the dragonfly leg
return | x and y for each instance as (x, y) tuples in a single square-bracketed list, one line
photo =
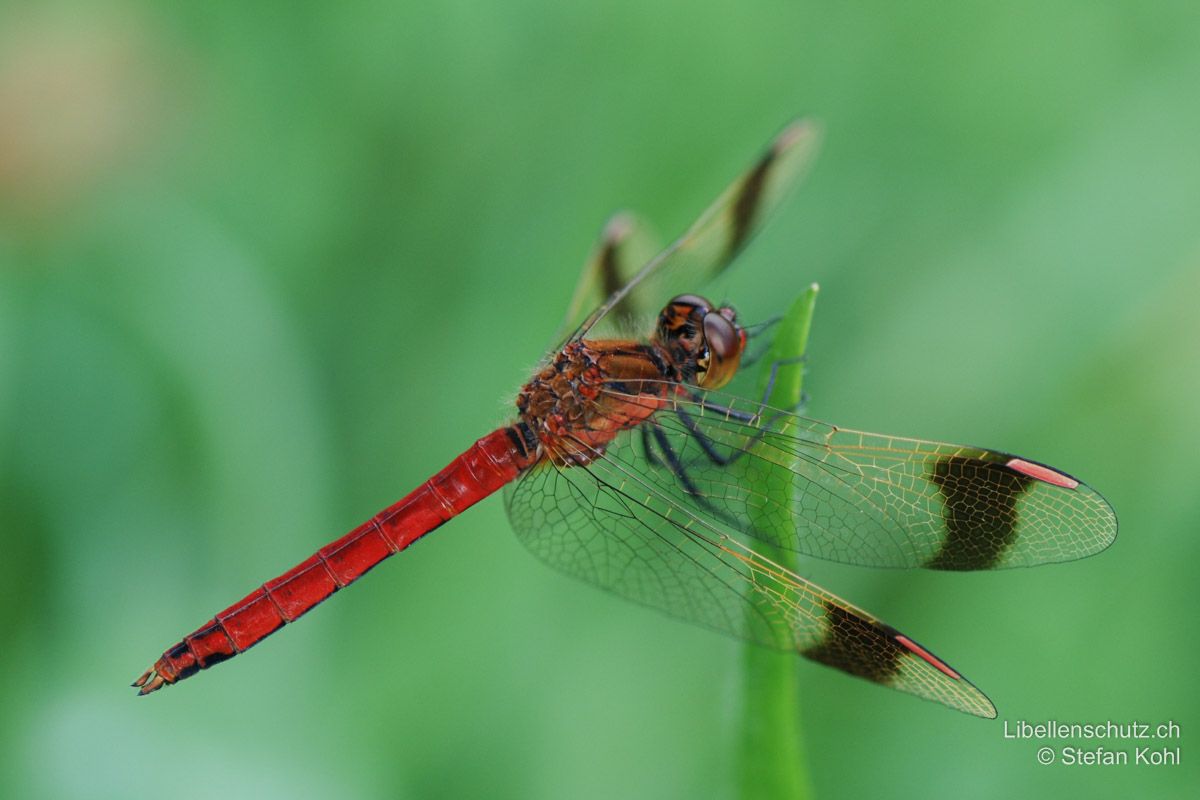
[(783, 362), (758, 328), (664, 444), (745, 416), (680, 471), (706, 444), (752, 332)]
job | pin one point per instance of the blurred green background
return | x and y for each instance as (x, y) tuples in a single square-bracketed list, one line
[(264, 268)]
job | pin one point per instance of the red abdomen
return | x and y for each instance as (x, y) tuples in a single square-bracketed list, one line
[(488, 465)]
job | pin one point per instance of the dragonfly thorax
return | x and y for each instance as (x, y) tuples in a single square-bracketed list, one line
[(594, 389), (591, 391)]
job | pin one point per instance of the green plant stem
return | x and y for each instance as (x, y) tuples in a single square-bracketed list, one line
[(771, 755)]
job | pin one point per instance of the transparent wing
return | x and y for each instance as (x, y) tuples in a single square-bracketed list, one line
[(860, 498), (609, 525), (712, 242), (625, 244)]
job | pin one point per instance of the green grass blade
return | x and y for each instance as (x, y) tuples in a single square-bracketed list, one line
[(771, 760)]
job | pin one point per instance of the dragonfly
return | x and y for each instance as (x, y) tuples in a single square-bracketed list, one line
[(629, 467)]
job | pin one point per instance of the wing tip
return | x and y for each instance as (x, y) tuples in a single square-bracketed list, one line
[(980, 706), (618, 227), (1053, 476), (796, 131), (985, 709)]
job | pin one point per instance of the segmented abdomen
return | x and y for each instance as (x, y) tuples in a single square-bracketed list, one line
[(490, 463)]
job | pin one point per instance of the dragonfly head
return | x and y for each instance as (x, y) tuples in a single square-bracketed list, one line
[(703, 341)]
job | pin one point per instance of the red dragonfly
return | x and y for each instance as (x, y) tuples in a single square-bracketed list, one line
[(629, 468)]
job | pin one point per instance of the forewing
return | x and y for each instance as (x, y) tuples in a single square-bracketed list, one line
[(607, 525), (864, 498), (720, 233), (625, 244)]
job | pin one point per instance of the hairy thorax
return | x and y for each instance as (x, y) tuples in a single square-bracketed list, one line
[(590, 392)]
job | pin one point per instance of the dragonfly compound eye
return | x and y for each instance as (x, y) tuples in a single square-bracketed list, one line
[(724, 342)]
